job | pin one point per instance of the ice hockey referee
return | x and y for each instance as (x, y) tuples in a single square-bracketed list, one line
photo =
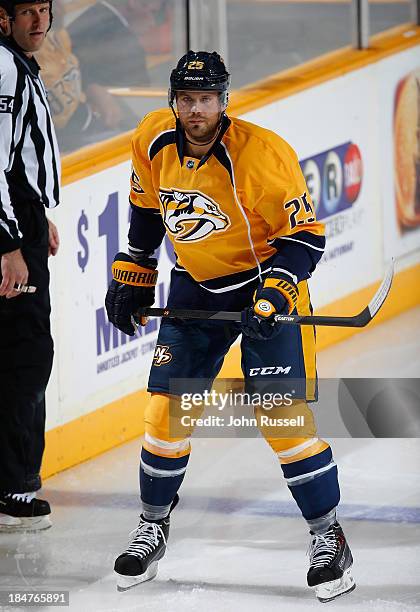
[(29, 183)]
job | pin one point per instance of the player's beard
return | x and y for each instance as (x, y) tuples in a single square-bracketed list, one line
[(201, 132)]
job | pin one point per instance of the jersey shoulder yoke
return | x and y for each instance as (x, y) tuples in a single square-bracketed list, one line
[(260, 139), (152, 126)]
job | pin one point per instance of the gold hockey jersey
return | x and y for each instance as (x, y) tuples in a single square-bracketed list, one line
[(231, 211)]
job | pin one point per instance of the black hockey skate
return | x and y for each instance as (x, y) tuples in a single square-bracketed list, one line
[(330, 562), (23, 512), (139, 562)]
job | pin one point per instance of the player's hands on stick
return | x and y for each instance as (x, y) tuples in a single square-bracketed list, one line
[(132, 288), (14, 272), (274, 296), (361, 319)]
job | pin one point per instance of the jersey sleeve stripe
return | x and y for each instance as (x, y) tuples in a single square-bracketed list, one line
[(292, 276), (229, 282), (312, 246), (299, 254)]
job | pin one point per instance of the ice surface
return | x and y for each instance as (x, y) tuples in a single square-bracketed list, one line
[(237, 542)]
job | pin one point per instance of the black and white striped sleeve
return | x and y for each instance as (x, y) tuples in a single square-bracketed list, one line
[(10, 121)]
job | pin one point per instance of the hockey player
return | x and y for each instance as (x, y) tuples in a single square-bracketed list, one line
[(233, 200)]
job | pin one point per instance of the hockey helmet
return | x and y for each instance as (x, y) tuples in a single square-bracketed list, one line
[(200, 70)]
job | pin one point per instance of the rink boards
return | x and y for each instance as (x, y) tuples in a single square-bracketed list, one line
[(348, 126)]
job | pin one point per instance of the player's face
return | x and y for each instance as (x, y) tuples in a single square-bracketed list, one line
[(30, 25), (199, 113)]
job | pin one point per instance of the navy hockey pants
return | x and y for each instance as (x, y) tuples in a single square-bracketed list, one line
[(195, 349)]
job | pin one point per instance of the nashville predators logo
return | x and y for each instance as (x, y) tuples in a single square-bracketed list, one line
[(162, 355), (191, 215)]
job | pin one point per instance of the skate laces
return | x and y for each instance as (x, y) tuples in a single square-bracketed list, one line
[(23, 497), (145, 539), (322, 548)]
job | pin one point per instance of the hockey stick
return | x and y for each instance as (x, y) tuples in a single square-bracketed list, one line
[(359, 320)]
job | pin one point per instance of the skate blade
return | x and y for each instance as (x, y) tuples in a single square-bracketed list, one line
[(13, 524), (124, 583), (327, 591)]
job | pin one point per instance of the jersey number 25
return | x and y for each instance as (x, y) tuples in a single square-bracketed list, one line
[(301, 212)]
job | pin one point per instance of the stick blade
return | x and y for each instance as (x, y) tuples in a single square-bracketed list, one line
[(380, 296)]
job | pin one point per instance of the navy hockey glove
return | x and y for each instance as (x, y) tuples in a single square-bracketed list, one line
[(132, 287), (274, 296)]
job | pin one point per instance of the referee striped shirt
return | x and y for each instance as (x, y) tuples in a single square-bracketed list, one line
[(29, 157)]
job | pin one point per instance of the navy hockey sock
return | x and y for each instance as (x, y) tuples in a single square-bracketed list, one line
[(313, 482), (160, 479)]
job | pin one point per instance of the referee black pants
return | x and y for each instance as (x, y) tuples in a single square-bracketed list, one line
[(26, 355)]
